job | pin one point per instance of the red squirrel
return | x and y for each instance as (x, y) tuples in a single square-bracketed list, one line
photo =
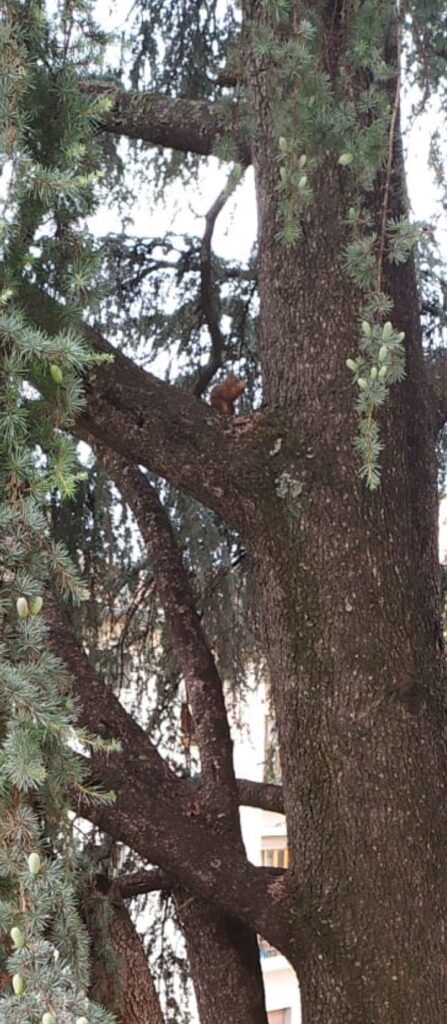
[(223, 396)]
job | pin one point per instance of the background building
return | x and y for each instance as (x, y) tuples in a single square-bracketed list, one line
[(265, 837)]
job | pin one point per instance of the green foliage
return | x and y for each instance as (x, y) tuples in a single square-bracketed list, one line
[(381, 359), (426, 26), (380, 364), (47, 142), (37, 759), (401, 238), (44, 122), (56, 513), (46, 938), (360, 261)]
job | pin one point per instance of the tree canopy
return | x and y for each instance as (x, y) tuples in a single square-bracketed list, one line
[(157, 555)]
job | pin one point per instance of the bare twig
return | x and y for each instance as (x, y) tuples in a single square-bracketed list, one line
[(265, 795)]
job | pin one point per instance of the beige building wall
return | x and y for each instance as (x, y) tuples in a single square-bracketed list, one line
[(266, 843)]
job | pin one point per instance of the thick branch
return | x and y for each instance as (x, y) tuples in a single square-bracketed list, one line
[(251, 794), (157, 815), (205, 862), (192, 126), (217, 946), (161, 427), (196, 662), (266, 796), (220, 948), (137, 883)]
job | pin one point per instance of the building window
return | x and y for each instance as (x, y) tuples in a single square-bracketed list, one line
[(278, 857), (274, 853), (279, 1016)]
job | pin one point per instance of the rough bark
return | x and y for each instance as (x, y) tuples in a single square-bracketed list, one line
[(228, 947), (266, 795), (437, 379), (121, 980), (350, 601), (223, 942), (225, 967), (203, 684), (218, 947)]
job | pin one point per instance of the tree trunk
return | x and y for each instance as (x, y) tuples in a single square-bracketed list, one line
[(348, 584), (225, 967), (351, 609), (350, 602)]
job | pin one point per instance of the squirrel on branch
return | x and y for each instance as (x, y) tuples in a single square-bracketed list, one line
[(223, 396)]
